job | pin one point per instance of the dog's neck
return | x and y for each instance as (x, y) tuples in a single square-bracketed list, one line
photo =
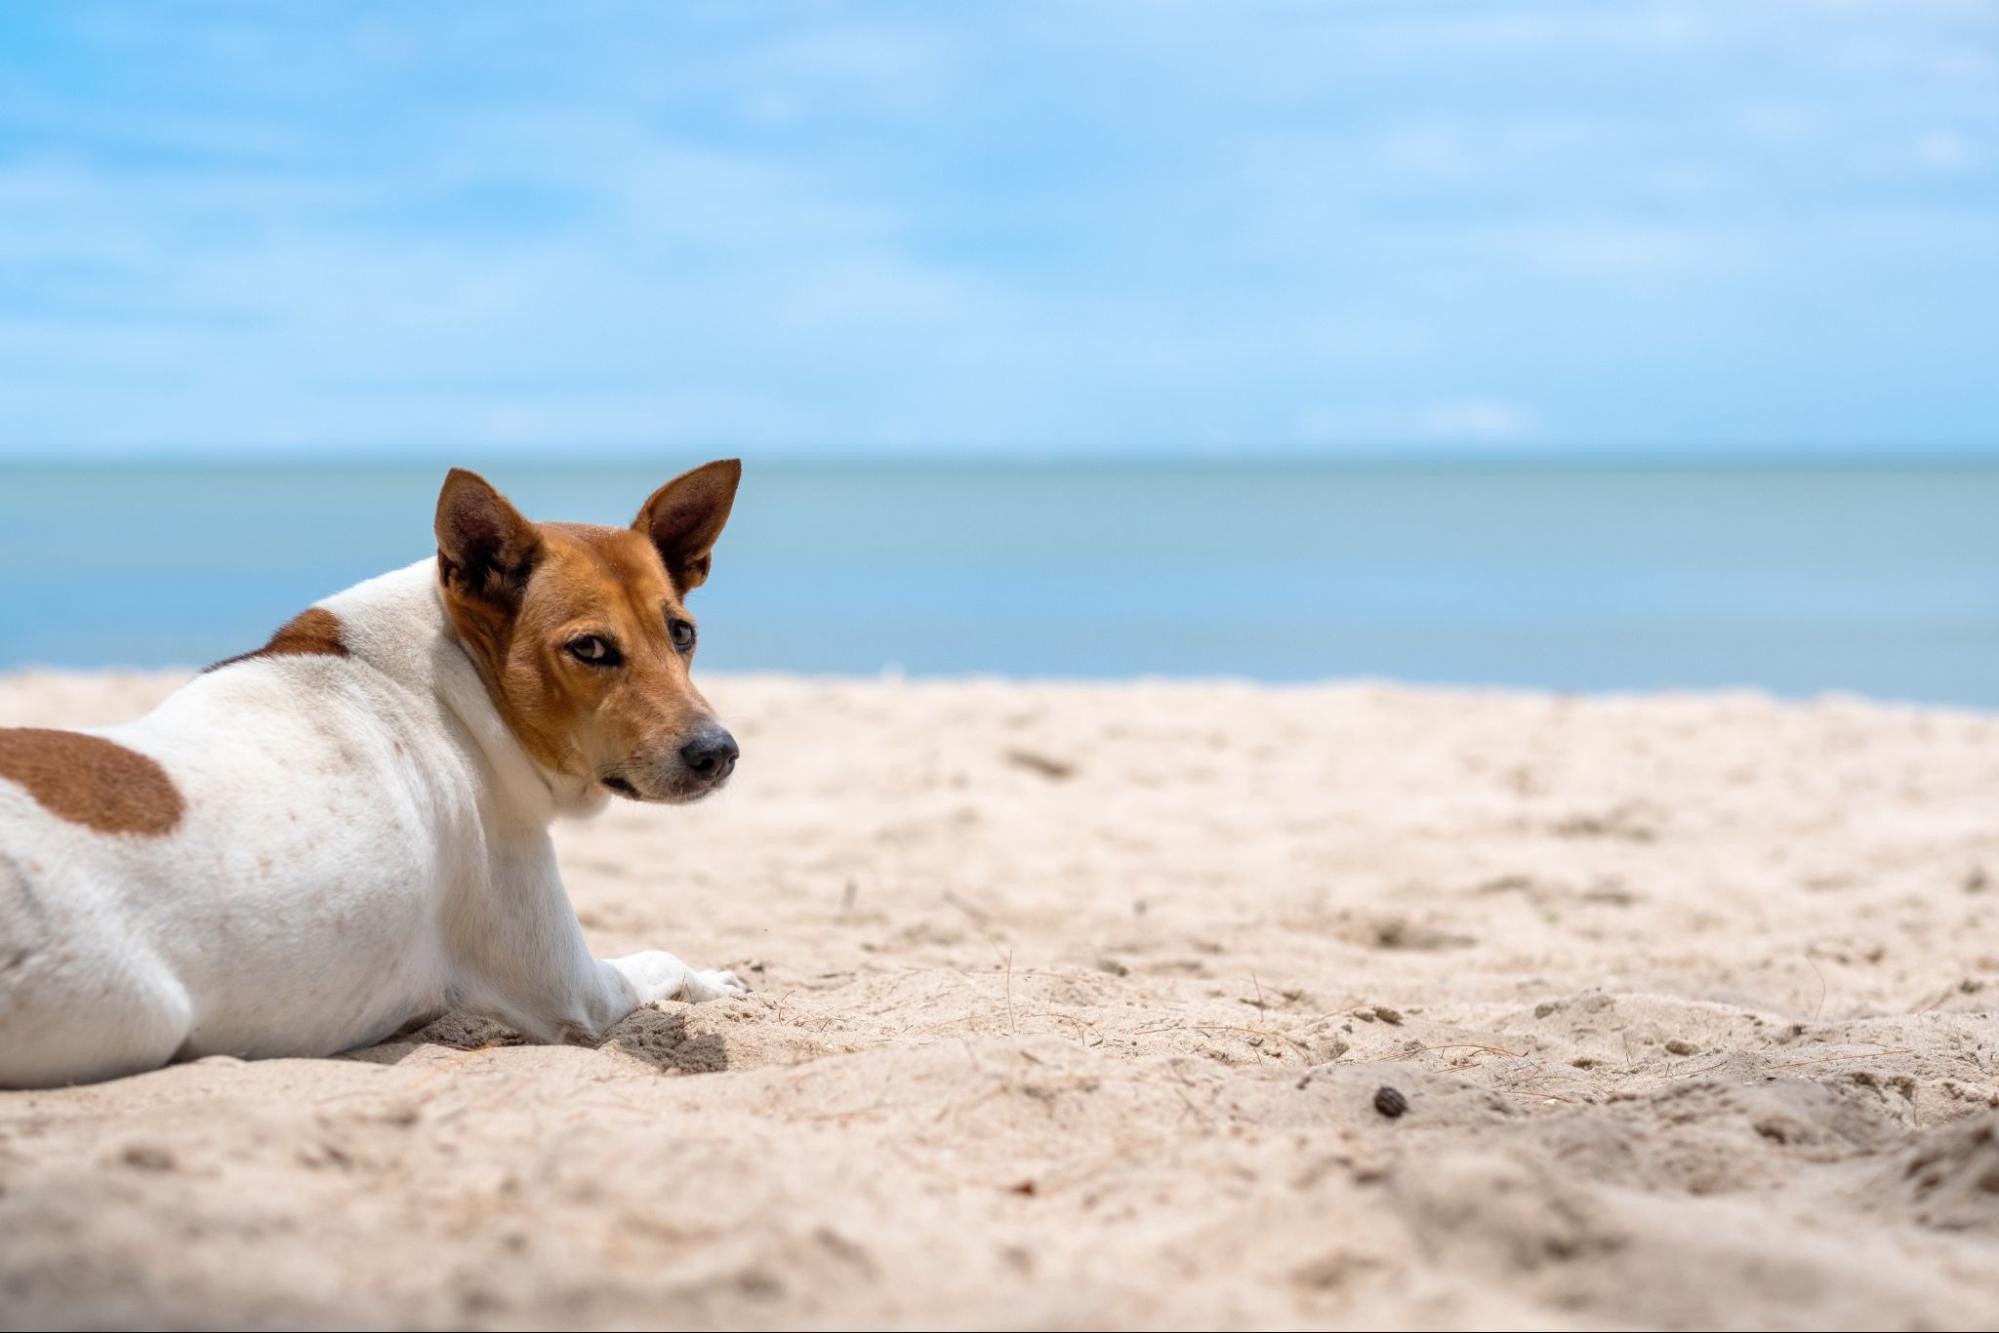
[(397, 624)]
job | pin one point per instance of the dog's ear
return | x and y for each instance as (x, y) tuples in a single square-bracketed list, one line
[(684, 517), (485, 548)]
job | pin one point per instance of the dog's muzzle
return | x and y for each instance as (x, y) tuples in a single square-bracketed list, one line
[(701, 764)]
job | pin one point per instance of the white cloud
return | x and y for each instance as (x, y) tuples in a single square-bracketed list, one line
[(1482, 421), (1475, 421), (1941, 150)]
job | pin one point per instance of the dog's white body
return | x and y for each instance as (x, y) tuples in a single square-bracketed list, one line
[(364, 841)]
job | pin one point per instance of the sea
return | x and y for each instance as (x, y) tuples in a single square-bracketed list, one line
[(1877, 578)]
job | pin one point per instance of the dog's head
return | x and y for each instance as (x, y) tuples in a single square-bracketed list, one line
[(583, 634)]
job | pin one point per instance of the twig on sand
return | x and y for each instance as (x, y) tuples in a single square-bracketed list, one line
[(1851, 1055), (1257, 1045), (1420, 1049), (1227, 1027), (980, 917), (1085, 1029), (848, 1113), (1818, 1008), (1539, 1095), (1693, 1074), (1009, 994), (980, 920), (1181, 1085)]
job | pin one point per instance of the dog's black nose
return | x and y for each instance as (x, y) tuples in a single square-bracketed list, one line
[(712, 752)]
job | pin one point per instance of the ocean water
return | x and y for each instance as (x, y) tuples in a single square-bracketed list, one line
[(1876, 579)]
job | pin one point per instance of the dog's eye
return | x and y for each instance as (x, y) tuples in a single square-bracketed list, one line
[(683, 634), (594, 649)]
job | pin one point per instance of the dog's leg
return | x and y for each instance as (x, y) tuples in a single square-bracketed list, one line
[(657, 975), (522, 958)]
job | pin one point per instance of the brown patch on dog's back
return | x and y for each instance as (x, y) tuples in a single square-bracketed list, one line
[(314, 632), (91, 781)]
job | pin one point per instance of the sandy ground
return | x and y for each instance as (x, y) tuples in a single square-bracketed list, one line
[(1073, 1003)]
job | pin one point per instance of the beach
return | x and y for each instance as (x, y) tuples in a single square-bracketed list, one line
[(1073, 1007)]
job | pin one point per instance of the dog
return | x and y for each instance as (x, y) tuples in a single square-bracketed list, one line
[(310, 847)]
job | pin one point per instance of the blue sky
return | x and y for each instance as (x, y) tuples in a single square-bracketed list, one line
[(478, 229)]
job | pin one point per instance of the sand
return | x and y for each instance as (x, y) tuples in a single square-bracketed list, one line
[(1072, 1007)]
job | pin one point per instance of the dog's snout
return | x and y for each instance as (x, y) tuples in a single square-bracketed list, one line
[(711, 754)]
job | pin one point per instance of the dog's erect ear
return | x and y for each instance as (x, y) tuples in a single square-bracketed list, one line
[(485, 549), (684, 517)]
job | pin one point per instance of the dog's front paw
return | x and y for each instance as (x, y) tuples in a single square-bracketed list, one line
[(655, 975), (703, 986)]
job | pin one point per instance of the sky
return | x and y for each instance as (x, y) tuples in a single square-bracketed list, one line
[(1291, 229)]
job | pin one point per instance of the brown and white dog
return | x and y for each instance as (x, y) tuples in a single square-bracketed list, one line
[(310, 846)]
